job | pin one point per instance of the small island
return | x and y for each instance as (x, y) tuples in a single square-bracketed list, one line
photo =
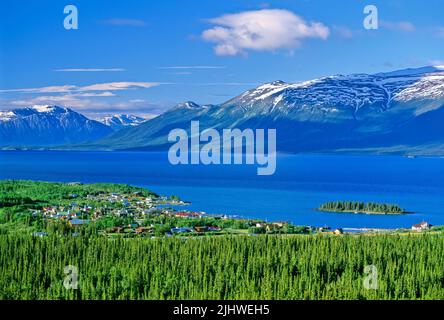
[(362, 208)]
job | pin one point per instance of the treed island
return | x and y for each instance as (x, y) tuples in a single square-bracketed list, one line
[(130, 243), (361, 207)]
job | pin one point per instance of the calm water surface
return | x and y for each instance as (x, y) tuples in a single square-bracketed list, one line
[(300, 184)]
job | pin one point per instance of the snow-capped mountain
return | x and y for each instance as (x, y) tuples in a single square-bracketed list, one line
[(353, 96), (44, 125), (401, 110), (120, 121)]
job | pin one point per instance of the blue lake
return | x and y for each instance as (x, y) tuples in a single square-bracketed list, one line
[(301, 183)]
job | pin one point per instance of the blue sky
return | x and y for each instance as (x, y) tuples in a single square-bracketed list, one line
[(143, 57)]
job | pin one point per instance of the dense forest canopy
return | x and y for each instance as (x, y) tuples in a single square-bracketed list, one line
[(241, 267)]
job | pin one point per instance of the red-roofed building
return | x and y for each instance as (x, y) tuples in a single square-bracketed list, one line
[(421, 226)]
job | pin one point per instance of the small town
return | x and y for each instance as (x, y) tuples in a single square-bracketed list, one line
[(130, 215), (138, 213)]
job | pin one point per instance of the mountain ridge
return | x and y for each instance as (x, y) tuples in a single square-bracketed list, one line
[(341, 112), (393, 112), (46, 125)]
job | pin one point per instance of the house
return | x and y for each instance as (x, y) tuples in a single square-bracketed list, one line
[(338, 231), (87, 208), (142, 230), (49, 210), (201, 229), (74, 223), (183, 214), (214, 229), (421, 226), (323, 229), (180, 230), (279, 224)]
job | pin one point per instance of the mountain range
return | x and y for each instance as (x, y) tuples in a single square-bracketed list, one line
[(395, 112), (44, 125), (398, 112)]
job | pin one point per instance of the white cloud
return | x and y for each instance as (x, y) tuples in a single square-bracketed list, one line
[(82, 103), (50, 89), (110, 86), (90, 70), (404, 26), (65, 100), (79, 97), (261, 30), (94, 94)]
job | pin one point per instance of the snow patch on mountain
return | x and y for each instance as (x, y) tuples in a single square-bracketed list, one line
[(188, 105), (350, 94), (7, 115), (119, 121), (43, 108)]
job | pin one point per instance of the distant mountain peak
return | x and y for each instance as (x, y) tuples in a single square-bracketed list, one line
[(120, 121), (44, 108), (188, 105), (43, 125), (277, 83)]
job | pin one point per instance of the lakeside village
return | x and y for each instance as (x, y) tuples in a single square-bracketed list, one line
[(115, 210), (133, 214), (138, 209)]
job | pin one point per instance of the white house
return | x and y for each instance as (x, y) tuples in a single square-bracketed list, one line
[(421, 226)]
